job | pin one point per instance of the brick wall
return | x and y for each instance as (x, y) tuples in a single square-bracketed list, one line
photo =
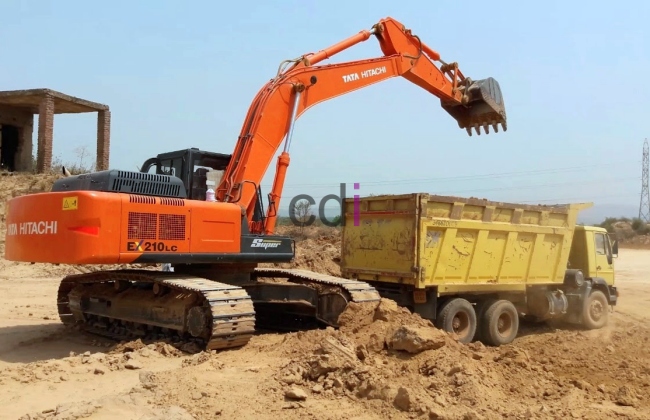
[(45, 134), (103, 139)]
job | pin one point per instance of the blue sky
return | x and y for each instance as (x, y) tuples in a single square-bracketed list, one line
[(182, 74)]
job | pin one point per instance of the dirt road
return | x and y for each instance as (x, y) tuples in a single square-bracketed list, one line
[(49, 372), (633, 281)]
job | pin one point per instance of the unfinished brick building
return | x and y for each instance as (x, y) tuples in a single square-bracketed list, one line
[(17, 110)]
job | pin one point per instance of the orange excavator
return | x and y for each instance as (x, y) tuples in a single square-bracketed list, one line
[(217, 295)]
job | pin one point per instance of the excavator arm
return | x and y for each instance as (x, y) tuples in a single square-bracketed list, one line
[(300, 84)]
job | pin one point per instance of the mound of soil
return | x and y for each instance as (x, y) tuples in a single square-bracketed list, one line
[(390, 359)]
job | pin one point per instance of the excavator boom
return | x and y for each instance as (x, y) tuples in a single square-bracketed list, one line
[(301, 84)]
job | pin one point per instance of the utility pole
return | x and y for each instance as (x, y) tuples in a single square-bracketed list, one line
[(644, 207)]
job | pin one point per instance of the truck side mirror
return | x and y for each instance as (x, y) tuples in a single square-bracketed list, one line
[(615, 249)]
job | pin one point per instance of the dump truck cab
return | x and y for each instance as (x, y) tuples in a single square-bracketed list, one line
[(593, 253)]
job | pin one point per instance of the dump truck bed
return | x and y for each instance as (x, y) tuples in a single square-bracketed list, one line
[(456, 244)]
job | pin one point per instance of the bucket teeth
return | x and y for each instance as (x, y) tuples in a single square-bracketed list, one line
[(486, 128)]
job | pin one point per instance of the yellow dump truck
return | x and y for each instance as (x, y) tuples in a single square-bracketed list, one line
[(475, 267)]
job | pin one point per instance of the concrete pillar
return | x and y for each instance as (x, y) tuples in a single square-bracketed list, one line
[(45, 134), (103, 139), (24, 160)]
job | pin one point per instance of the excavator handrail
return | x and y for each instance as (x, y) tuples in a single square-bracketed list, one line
[(300, 84)]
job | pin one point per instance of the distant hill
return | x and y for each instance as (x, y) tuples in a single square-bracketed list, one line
[(600, 212)]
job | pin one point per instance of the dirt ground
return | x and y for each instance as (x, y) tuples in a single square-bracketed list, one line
[(383, 363), (364, 370)]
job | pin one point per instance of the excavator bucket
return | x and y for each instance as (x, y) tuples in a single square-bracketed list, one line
[(483, 107)]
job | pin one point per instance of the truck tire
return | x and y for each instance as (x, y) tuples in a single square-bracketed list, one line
[(595, 312), (500, 323), (481, 323), (458, 316)]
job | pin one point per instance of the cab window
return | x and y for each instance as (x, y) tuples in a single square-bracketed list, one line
[(600, 244), (172, 167)]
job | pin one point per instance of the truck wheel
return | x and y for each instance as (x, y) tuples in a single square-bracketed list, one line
[(458, 316), (481, 323), (500, 323), (595, 312)]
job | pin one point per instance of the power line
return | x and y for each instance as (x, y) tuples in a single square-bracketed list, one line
[(519, 187), (462, 177), (563, 200), (575, 200), (644, 206)]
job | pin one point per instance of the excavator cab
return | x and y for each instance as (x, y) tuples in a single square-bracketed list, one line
[(191, 166), (482, 106)]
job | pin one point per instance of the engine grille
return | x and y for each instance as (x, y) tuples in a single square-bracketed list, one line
[(171, 227), (147, 184), (124, 182), (151, 226)]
